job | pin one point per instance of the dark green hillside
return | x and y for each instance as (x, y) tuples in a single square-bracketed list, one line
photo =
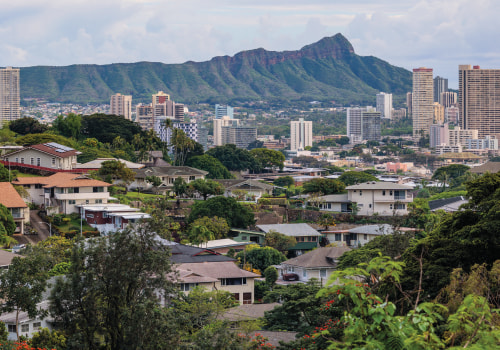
[(326, 70)]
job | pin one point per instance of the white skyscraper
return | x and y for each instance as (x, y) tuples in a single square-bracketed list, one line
[(422, 101), (300, 134), (384, 105), (121, 105), (9, 95)]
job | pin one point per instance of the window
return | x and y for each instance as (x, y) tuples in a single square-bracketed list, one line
[(87, 201), (17, 160), (338, 237), (191, 178), (98, 189), (322, 273), (400, 206), (25, 328), (53, 161), (38, 186), (16, 213), (32, 161), (390, 206), (12, 328), (304, 273), (383, 192), (71, 201), (37, 325), (90, 216), (365, 237), (22, 160), (233, 281), (38, 161), (243, 238), (73, 190), (369, 205), (390, 193), (186, 287), (360, 192), (98, 201)]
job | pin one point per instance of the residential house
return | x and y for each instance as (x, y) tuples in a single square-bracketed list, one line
[(63, 192), (48, 155), (27, 325), (382, 198), (211, 270), (360, 235), (489, 167), (250, 190), (218, 276), (242, 235), (97, 163), (167, 174), (318, 263), (306, 236), (6, 258), (111, 217), (15, 203)]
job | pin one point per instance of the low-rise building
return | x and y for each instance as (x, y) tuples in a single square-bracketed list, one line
[(306, 236), (50, 155), (16, 205), (167, 174), (63, 192), (111, 217)]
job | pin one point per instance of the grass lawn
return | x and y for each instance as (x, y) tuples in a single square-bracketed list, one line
[(76, 223)]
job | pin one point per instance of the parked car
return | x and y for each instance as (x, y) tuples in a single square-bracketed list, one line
[(290, 277)]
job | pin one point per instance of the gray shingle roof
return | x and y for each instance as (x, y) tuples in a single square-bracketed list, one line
[(383, 229), (321, 257), (295, 230)]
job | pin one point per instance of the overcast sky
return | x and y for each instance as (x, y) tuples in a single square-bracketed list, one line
[(440, 34)]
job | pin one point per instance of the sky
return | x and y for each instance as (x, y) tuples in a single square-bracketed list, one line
[(439, 34)]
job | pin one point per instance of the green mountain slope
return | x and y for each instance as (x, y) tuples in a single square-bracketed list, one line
[(326, 70)]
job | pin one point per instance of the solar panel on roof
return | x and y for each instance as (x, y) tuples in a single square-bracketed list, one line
[(58, 147)]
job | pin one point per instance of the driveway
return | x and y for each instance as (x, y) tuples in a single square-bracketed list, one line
[(39, 226)]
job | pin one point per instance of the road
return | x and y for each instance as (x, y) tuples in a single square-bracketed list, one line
[(39, 226)]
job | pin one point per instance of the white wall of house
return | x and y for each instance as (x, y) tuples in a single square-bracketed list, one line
[(306, 274), (384, 202), (27, 328), (35, 157), (239, 289)]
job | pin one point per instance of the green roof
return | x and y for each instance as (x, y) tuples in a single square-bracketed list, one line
[(304, 246)]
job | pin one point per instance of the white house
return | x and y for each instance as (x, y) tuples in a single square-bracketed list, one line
[(167, 175), (27, 325), (48, 155), (62, 192), (16, 205)]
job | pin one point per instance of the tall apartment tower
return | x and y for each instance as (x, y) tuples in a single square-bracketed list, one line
[(422, 101), (300, 134), (121, 105), (370, 126), (384, 105), (440, 85), (448, 99), (9, 95), (479, 100), (219, 124), (223, 110), (409, 101), (354, 124)]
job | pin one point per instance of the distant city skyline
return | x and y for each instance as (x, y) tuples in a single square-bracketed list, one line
[(440, 34)]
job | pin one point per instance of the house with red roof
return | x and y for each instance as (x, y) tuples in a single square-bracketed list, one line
[(64, 192), (48, 155), (15, 203)]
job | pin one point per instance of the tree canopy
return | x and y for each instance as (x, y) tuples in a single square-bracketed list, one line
[(233, 158), (323, 186), (236, 214), (206, 188), (27, 125), (216, 170), (268, 158), (260, 258), (350, 178), (105, 128)]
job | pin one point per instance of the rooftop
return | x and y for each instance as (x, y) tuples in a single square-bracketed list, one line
[(295, 230)]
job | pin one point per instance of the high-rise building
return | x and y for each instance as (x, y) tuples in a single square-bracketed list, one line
[(219, 124), (479, 100), (223, 110), (458, 136), (439, 135), (121, 105), (384, 105), (448, 99), (440, 86), (438, 113), (9, 95), (300, 134), (241, 136), (422, 101), (370, 126), (354, 124), (409, 101)]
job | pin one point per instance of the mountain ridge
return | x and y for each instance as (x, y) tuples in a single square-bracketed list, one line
[(326, 70)]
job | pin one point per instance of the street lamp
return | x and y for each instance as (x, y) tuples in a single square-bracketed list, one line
[(50, 226)]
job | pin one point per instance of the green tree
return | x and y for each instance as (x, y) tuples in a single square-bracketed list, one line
[(180, 186), (199, 234), (69, 126), (22, 285), (284, 181), (453, 174), (4, 174), (7, 224), (279, 241), (181, 145), (206, 187), (27, 125), (344, 140), (323, 186), (271, 275), (4, 334), (216, 170), (115, 170), (236, 214), (350, 178), (233, 158), (48, 339), (218, 226), (260, 258), (105, 128), (110, 300), (35, 139), (153, 180), (268, 158)]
